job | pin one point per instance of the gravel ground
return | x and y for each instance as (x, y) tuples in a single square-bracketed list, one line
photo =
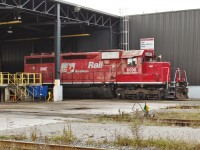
[(49, 119), (99, 131)]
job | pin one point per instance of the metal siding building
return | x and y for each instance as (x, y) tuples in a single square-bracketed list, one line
[(177, 38)]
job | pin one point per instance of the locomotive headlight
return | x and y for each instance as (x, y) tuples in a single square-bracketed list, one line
[(150, 66)]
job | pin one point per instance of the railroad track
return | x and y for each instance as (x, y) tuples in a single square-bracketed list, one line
[(168, 121), (40, 146), (178, 122)]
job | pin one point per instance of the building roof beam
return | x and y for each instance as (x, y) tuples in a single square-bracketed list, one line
[(45, 7)]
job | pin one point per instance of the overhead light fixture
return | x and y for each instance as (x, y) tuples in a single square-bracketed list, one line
[(72, 35), (10, 30), (19, 17), (50, 37), (77, 9), (10, 22)]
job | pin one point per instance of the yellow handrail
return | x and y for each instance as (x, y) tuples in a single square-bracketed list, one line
[(20, 78)]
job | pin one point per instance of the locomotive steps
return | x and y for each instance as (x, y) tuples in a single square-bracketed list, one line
[(14, 86)]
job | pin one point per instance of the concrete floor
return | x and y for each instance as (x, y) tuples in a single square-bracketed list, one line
[(15, 115)]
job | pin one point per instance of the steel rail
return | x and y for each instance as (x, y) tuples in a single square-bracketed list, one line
[(177, 122), (169, 121), (36, 146)]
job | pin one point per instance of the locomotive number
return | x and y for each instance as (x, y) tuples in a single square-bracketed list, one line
[(131, 70), (43, 68)]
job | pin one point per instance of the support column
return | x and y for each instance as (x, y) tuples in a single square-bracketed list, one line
[(58, 89), (7, 94), (110, 38), (2, 94)]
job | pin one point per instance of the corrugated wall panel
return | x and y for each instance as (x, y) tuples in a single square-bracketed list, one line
[(176, 36), (12, 53), (98, 40)]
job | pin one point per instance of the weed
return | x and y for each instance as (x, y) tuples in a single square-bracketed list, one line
[(34, 135), (155, 144), (6, 137), (161, 118), (67, 137), (122, 141), (90, 142), (46, 139), (136, 131), (20, 137), (136, 141), (105, 141)]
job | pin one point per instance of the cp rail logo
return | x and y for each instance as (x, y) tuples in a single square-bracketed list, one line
[(67, 67)]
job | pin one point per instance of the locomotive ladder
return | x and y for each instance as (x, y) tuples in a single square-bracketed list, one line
[(17, 84)]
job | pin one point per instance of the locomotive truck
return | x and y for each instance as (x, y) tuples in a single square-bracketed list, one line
[(133, 74)]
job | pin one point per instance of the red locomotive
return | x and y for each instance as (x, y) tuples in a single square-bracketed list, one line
[(134, 74)]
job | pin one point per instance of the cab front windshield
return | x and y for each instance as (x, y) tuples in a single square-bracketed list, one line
[(148, 59)]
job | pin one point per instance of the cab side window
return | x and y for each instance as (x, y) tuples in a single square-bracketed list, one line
[(148, 59), (131, 61)]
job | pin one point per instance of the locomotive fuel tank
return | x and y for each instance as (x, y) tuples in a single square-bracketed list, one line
[(88, 92)]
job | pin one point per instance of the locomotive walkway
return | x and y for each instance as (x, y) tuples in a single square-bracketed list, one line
[(20, 79)]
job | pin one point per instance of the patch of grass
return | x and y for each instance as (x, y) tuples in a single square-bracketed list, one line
[(98, 143), (155, 143), (179, 115), (128, 118), (20, 137), (112, 118), (136, 141), (160, 119), (123, 141), (6, 137), (90, 142), (67, 137)]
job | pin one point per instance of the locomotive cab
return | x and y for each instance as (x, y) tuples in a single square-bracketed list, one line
[(145, 77)]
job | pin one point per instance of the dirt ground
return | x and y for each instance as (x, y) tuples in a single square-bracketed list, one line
[(49, 118)]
